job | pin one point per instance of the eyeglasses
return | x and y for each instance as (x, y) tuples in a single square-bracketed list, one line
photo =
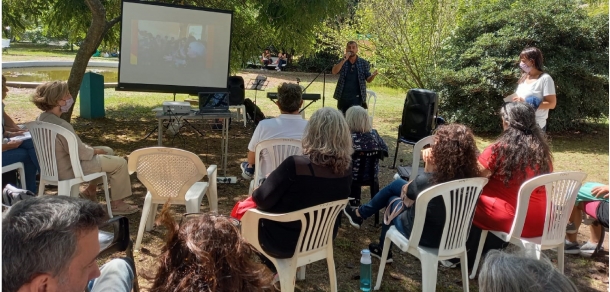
[(352, 68), (186, 216)]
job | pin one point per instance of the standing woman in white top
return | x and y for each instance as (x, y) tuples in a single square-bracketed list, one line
[(535, 83)]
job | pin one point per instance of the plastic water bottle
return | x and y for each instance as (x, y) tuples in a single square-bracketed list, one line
[(365, 270)]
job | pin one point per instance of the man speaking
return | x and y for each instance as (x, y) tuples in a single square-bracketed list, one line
[(354, 71)]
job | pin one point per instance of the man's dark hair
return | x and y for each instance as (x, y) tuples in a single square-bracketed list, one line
[(39, 236), (352, 43), (289, 97)]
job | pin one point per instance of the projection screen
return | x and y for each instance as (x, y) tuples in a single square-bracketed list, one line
[(176, 49)]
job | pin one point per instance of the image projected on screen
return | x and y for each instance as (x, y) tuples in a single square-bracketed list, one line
[(179, 49), (179, 45)]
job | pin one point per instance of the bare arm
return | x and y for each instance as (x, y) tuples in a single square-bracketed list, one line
[(9, 124), (337, 68), (548, 102), (483, 172), (372, 77)]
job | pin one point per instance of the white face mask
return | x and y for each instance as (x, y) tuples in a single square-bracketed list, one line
[(525, 67), (65, 108)]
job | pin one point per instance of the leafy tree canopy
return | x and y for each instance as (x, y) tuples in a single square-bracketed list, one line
[(479, 64), (256, 24)]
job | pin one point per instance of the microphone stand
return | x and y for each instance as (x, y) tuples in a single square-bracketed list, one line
[(323, 84)]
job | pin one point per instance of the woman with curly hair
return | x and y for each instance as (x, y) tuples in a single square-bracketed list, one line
[(453, 156), (520, 153), (206, 253), (322, 174)]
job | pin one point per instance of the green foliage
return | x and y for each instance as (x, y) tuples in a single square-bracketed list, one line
[(479, 63), (405, 37), (318, 61)]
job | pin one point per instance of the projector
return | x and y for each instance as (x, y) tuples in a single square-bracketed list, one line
[(176, 108)]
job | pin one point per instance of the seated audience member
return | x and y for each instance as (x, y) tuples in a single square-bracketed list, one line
[(281, 60), (206, 253), (520, 153), (453, 156), (322, 174), (266, 58), (288, 125), (502, 272), (364, 138), (50, 243), (14, 151), (53, 98), (593, 200)]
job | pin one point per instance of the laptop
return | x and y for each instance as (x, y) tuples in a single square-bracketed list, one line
[(213, 102)]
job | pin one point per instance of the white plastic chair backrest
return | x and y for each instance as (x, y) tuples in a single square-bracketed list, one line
[(317, 225), (44, 135), (371, 96), (460, 198), (166, 172), (278, 150), (417, 154), (561, 191)]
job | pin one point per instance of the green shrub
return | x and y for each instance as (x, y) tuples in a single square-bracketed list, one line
[(479, 64), (318, 62)]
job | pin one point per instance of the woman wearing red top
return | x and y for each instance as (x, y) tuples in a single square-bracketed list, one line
[(520, 153)]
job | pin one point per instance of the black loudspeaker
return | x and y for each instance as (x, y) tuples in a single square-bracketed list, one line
[(418, 114), (235, 85)]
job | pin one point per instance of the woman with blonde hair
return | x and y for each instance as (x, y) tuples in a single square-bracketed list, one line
[(364, 138), (322, 174), (53, 98)]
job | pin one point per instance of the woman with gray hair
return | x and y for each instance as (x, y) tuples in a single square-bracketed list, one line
[(364, 138), (53, 98), (503, 272), (322, 174)]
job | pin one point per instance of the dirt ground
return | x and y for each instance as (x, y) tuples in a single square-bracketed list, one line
[(123, 133)]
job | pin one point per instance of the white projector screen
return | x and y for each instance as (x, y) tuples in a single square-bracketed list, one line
[(176, 49)]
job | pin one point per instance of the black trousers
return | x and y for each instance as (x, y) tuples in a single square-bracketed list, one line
[(343, 105), (472, 244)]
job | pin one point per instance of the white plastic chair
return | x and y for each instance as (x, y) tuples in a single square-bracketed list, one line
[(171, 174), (241, 113), (20, 168), (460, 198), (561, 191), (371, 96), (278, 150), (315, 241), (44, 136), (417, 148)]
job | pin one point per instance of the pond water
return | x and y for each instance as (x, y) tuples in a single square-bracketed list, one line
[(42, 74)]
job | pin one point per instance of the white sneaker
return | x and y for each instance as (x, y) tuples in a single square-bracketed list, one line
[(588, 248)]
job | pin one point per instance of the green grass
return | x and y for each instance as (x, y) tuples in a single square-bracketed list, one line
[(129, 117)]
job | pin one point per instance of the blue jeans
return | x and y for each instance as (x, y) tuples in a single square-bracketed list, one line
[(25, 154), (116, 275), (380, 201)]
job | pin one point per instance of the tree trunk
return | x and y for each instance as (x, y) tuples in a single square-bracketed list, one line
[(98, 28)]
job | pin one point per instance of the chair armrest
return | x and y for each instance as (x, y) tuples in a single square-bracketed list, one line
[(212, 171), (120, 240)]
